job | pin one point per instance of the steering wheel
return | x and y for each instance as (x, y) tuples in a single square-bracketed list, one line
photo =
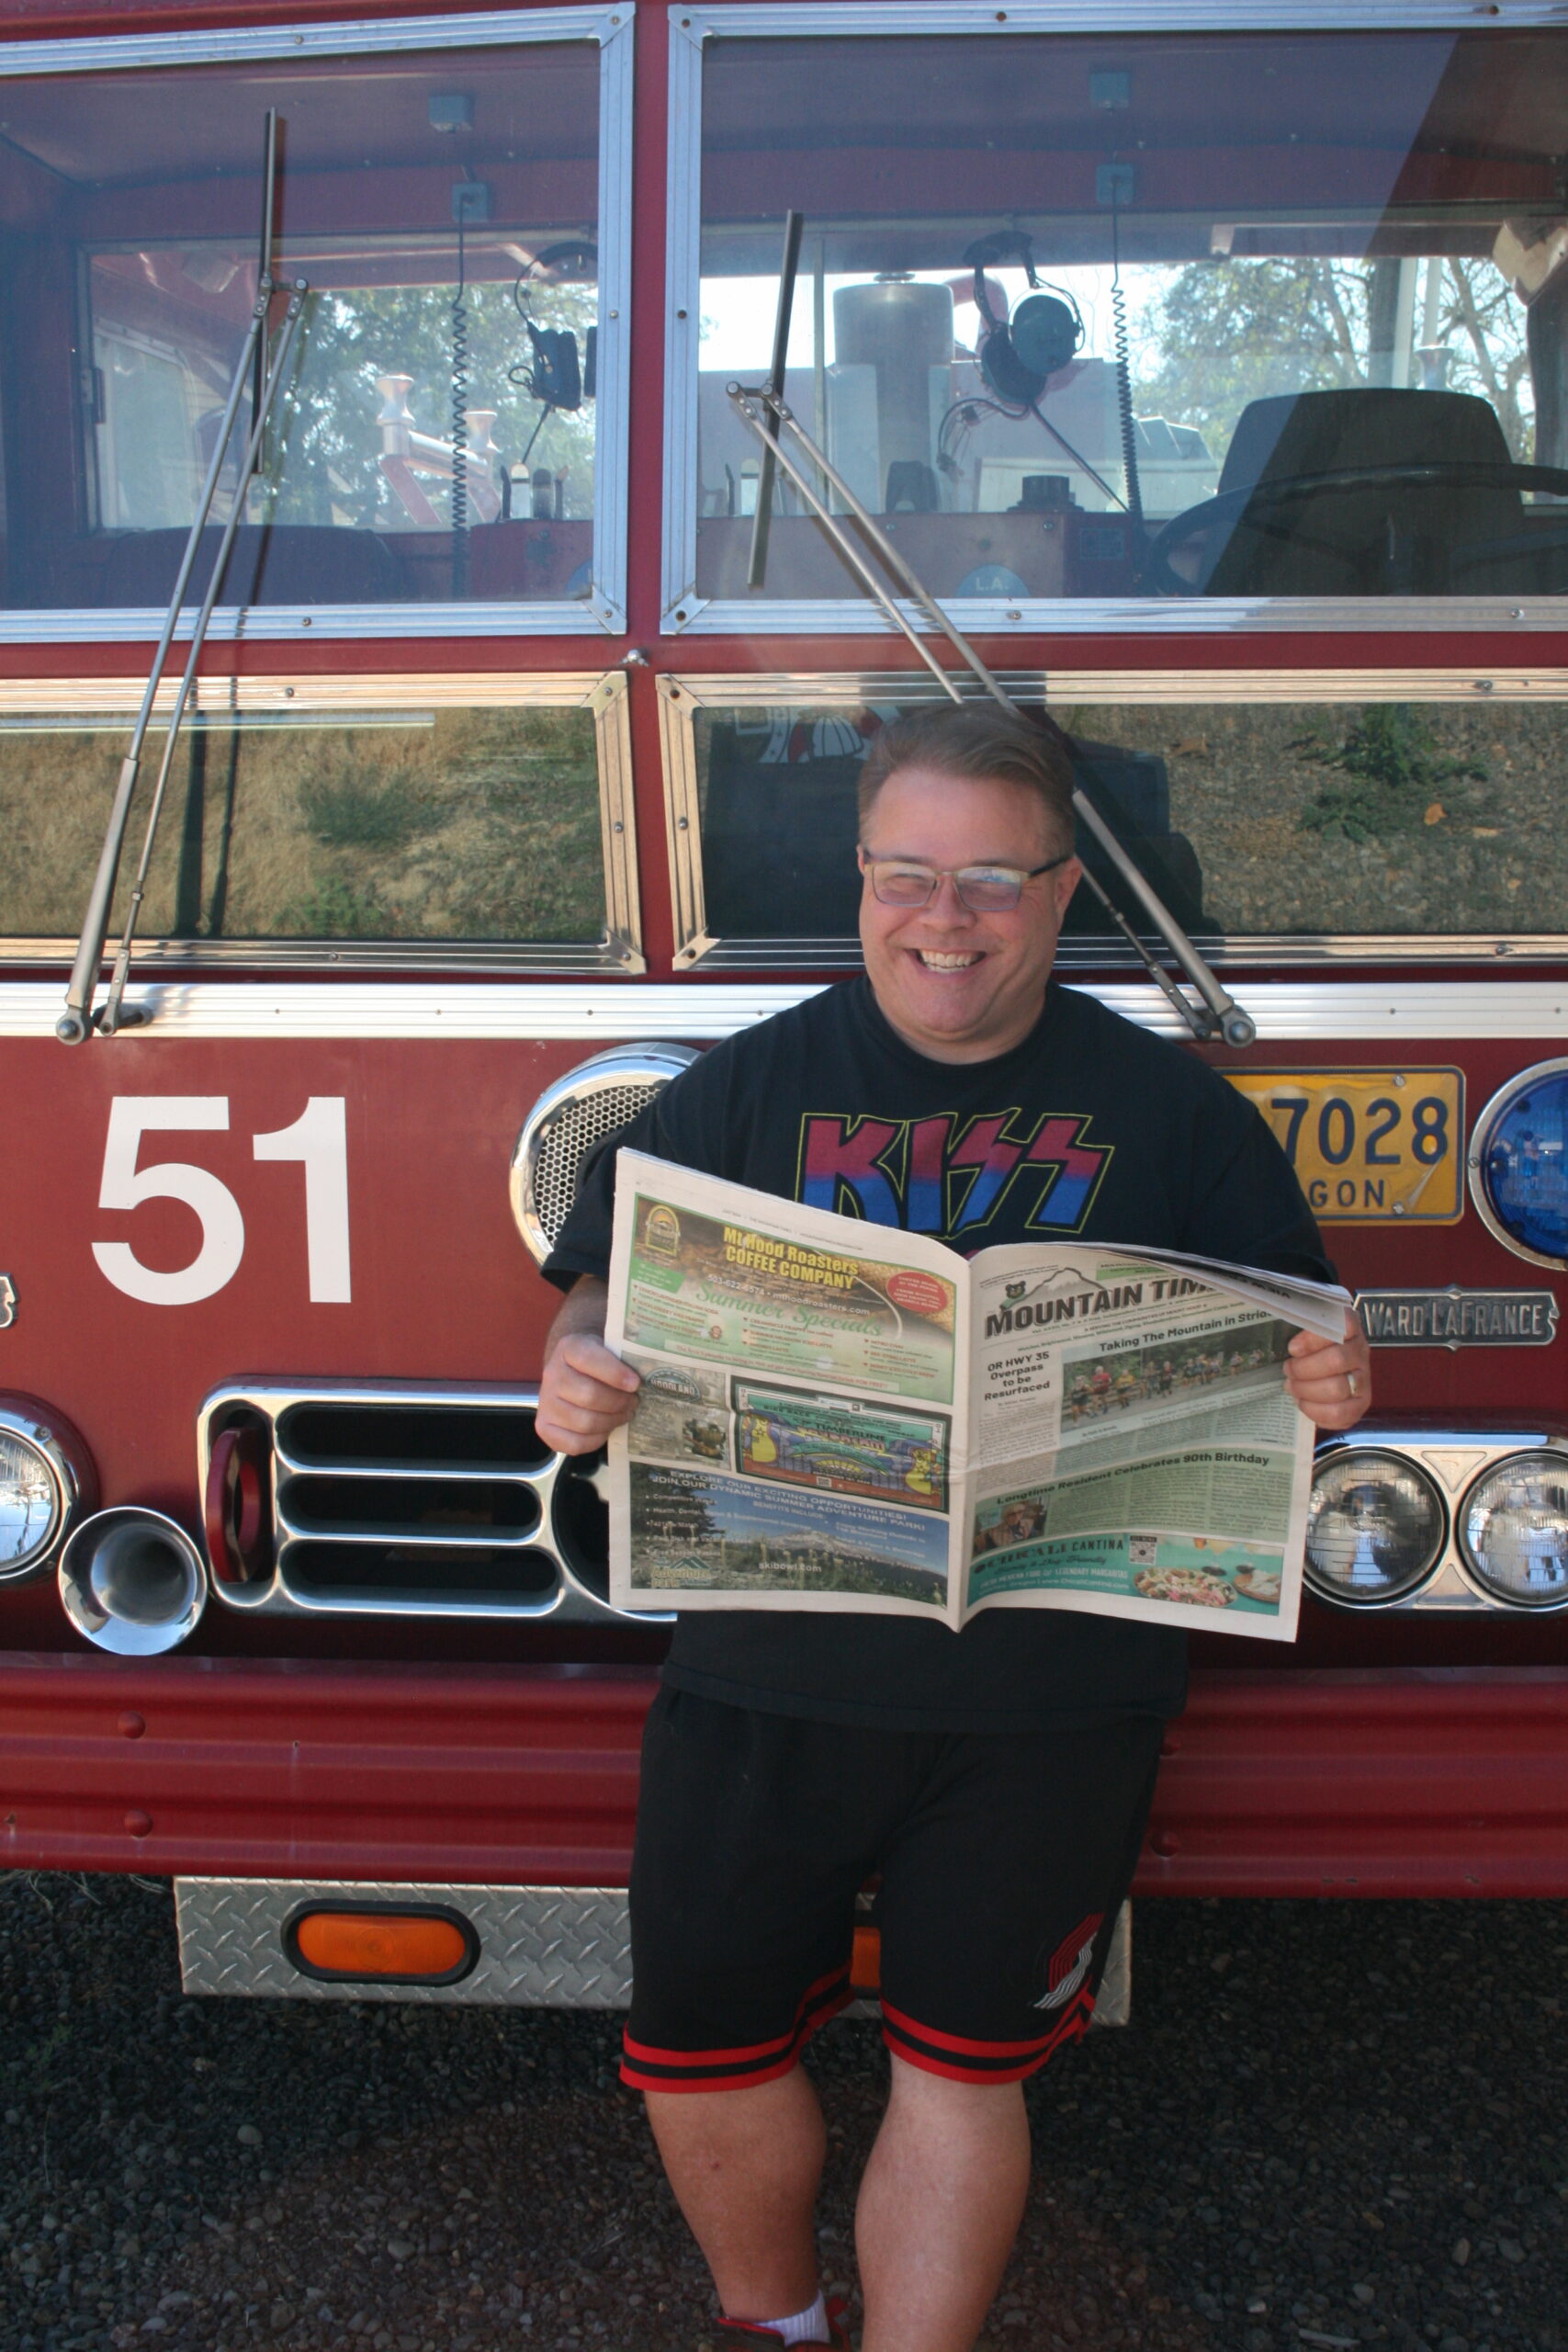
[(1159, 577)]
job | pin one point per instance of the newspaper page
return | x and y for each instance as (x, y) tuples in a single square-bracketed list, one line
[(1138, 1454), (842, 1416), (802, 1419)]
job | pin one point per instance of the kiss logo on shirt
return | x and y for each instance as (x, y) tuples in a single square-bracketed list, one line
[(946, 1176)]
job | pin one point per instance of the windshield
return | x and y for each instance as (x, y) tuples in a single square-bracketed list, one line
[(435, 438), (1200, 314)]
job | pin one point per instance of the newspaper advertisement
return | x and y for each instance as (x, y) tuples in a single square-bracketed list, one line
[(837, 1415)]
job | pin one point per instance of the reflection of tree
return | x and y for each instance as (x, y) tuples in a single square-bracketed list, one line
[(1482, 325), (1229, 332), (331, 446)]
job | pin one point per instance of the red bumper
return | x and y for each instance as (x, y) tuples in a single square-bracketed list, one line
[(1420, 1783)]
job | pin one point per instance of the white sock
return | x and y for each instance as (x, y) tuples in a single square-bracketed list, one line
[(810, 2327)]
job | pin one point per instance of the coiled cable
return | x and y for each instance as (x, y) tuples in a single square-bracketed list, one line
[(460, 419), (1124, 378)]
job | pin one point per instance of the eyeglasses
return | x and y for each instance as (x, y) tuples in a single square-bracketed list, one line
[(984, 889)]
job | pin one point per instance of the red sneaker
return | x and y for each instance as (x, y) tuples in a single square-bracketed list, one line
[(735, 2333)]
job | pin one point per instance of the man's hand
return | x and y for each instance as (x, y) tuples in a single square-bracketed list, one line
[(584, 1392), (1331, 1380)]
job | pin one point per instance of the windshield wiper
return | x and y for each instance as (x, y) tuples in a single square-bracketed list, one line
[(770, 417), (265, 376)]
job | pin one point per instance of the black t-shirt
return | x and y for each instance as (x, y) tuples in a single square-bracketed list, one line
[(1092, 1128)]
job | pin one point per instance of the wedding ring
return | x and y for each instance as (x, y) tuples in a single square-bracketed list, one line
[(1352, 1383)]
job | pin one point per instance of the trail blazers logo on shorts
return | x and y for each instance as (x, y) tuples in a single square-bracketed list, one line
[(1070, 1964), (945, 1176)]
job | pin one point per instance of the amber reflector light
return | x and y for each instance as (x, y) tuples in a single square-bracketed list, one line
[(380, 1943), (865, 1961)]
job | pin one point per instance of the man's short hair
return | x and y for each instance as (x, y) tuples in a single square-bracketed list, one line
[(978, 743)]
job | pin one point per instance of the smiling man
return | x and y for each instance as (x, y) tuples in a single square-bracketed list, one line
[(996, 1781)]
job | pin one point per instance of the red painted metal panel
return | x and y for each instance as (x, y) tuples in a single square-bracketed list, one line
[(1452, 1783)]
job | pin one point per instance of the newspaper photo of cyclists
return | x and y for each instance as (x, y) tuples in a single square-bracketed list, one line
[(838, 1416)]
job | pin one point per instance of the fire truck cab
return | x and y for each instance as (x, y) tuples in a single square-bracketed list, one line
[(380, 517)]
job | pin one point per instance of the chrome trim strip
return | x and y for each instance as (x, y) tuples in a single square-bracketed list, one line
[(1476, 1161), (612, 432), (1312, 1012), (683, 821), (829, 688), (683, 323), (265, 624), (606, 609), (617, 820), (290, 692), (1089, 952), (350, 37), (778, 19), (1135, 617)]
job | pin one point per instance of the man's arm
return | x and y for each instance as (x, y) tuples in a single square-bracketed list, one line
[(584, 1392)]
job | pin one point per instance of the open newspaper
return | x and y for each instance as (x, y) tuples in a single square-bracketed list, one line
[(836, 1415)]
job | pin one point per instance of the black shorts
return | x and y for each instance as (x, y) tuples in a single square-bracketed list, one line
[(1003, 1861)]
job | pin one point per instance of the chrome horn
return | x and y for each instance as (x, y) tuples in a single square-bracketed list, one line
[(131, 1582)]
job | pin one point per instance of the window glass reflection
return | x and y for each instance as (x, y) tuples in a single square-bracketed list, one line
[(375, 826), (1252, 821), (435, 438), (1242, 314)]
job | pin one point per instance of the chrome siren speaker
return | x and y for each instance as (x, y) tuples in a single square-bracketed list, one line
[(132, 1582), (569, 1119)]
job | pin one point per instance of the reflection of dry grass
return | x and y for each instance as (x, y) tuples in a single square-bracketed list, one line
[(482, 826), (1493, 858)]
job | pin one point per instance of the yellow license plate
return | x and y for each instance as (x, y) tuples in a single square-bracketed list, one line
[(1368, 1145)]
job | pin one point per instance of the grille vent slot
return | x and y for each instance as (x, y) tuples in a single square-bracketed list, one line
[(440, 1501)]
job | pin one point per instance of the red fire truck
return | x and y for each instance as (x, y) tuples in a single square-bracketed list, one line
[(430, 712)]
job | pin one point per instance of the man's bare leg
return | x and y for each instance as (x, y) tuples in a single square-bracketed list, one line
[(939, 2206), (745, 2168)]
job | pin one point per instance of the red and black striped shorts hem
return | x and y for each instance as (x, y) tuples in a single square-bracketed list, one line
[(645, 2068), (960, 2060)]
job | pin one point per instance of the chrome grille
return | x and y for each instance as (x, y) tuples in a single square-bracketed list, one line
[(569, 1119), (566, 1140), (399, 1500)]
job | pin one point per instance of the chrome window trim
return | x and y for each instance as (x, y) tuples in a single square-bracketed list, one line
[(1476, 1161), (681, 696), (1453, 1460), (1315, 1012), (604, 692), (514, 28), (687, 614)]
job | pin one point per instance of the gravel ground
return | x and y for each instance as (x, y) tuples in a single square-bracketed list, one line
[(1329, 2124)]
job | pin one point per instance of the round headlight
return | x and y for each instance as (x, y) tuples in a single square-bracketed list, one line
[(1514, 1531), (1518, 1164), (1375, 1528), (45, 1477)]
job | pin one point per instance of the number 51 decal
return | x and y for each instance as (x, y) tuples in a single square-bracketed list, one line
[(318, 1138)]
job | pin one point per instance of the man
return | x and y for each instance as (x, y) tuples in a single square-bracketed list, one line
[(998, 1780)]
